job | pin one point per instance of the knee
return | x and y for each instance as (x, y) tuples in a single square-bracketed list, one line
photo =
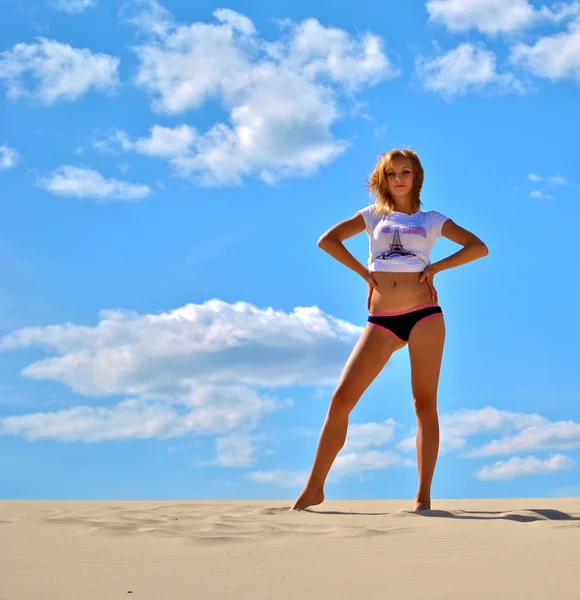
[(425, 405), (340, 405)]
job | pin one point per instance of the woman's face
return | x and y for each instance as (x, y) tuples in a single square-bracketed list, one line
[(400, 177)]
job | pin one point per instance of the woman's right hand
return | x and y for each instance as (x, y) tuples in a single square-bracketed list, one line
[(371, 285)]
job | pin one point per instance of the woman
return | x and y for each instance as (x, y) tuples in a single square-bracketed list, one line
[(403, 310)]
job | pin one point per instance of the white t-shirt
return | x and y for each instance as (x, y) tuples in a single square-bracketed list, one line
[(401, 242)]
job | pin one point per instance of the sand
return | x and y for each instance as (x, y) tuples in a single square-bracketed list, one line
[(242, 550)]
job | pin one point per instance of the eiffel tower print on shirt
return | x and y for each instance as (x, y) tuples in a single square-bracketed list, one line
[(396, 247)]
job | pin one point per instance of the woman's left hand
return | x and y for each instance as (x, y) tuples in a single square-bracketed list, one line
[(427, 277)]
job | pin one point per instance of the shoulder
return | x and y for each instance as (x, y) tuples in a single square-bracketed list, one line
[(369, 209), (369, 214), (433, 214), (435, 219)]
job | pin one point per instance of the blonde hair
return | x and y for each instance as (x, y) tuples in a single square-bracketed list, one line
[(377, 181)]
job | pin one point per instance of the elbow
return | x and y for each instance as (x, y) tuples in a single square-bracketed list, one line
[(482, 249), (324, 241)]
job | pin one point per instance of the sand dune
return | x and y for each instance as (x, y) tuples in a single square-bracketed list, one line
[(96, 550)]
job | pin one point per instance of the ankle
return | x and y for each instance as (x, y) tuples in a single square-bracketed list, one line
[(314, 487)]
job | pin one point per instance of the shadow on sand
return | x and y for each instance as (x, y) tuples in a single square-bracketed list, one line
[(520, 515)]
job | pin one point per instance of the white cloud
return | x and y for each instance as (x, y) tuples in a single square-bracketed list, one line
[(358, 455), (381, 131), (282, 97), (367, 435), (303, 431), (532, 433), (279, 478), (549, 182), (316, 51), (216, 342), (518, 467), (73, 6), (554, 57), (154, 19), (562, 435), (456, 428), (371, 460), (87, 183), (345, 465), (493, 17), (163, 142), (8, 157), (540, 195), (235, 450), (235, 21), (554, 180), (56, 72), (128, 420), (466, 68), (488, 16), (561, 11), (191, 371), (205, 410)]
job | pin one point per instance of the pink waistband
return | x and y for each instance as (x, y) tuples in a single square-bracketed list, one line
[(402, 312)]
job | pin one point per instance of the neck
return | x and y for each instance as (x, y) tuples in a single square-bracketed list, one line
[(404, 202), (404, 206)]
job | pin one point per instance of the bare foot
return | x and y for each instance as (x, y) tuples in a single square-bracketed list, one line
[(419, 506), (308, 498)]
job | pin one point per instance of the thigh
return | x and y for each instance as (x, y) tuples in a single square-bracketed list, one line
[(426, 343), (369, 356)]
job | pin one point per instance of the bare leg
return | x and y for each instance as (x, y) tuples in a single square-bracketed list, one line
[(426, 352), (369, 356)]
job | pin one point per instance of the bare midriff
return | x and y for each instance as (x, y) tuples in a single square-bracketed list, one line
[(399, 291)]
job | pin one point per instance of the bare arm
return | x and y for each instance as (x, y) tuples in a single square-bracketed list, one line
[(473, 247), (331, 242)]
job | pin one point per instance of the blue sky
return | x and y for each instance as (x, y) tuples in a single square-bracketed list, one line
[(169, 328)]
